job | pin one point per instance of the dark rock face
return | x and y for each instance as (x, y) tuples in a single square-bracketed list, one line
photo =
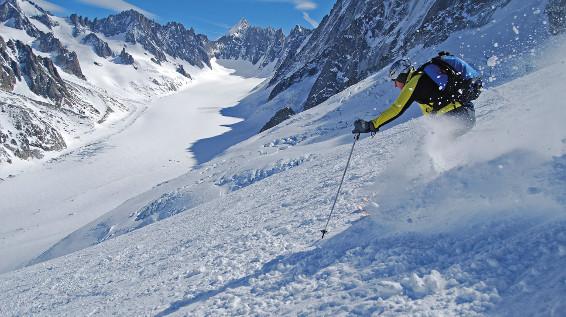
[(279, 117), (46, 20), (293, 43), (33, 134), (67, 60), (173, 38), (181, 70), (39, 73), (244, 42), (44, 16), (361, 37), (8, 74), (556, 11), (99, 46), (11, 12), (124, 58)]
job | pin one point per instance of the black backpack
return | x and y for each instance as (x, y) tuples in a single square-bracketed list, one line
[(464, 82)]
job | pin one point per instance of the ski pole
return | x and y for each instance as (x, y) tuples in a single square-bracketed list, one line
[(324, 231)]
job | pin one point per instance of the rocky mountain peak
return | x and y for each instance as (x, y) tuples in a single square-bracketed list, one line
[(172, 39), (239, 27), (11, 13), (260, 46)]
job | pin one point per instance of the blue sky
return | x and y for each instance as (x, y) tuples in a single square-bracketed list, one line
[(211, 17)]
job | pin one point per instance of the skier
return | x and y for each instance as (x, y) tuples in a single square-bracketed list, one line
[(444, 86)]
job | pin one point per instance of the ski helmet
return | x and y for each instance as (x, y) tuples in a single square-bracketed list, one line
[(400, 70)]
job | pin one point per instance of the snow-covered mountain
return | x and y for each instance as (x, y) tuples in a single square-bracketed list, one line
[(118, 58), (358, 38), (426, 224), (63, 78), (248, 47), (256, 45), (172, 39)]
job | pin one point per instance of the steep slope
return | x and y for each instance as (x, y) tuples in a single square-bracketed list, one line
[(172, 39), (253, 44), (358, 38), (254, 51), (471, 227), (113, 64), (502, 50)]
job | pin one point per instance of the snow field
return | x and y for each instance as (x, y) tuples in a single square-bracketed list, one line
[(85, 183)]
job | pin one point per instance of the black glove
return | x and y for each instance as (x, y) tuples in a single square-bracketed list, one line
[(362, 126)]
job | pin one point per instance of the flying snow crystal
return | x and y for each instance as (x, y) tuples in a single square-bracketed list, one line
[(492, 61), (515, 29), (495, 44)]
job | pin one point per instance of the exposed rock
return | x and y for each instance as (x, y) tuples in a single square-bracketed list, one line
[(46, 20), (44, 16), (7, 74), (181, 70), (39, 73), (172, 39), (358, 38), (67, 60), (293, 43), (279, 117), (33, 135), (11, 13), (260, 46), (124, 58), (47, 43), (79, 24), (100, 47)]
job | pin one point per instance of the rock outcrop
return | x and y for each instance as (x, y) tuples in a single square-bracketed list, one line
[(67, 60), (358, 38), (39, 73), (172, 39), (260, 46), (11, 13), (124, 58), (181, 70), (100, 47), (32, 136), (279, 117)]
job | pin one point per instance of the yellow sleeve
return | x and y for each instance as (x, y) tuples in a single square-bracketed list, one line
[(400, 105), (426, 109)]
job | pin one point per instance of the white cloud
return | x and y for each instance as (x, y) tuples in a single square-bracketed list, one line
[(51, 7), (117, 5), (301, 5), (310, 20), (305, 5)]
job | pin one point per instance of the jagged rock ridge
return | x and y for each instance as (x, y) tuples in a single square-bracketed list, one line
[(20, 63), (260, 46), (358, 38), (100, 47), (172, 39)]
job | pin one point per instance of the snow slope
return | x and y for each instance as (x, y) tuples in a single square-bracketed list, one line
[(83, 184), (424, 226)]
